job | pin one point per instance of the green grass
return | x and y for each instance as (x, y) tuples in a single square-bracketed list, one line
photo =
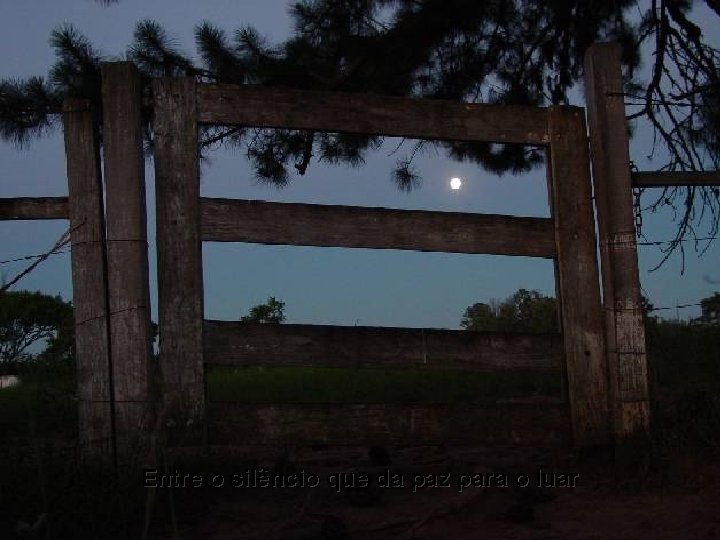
[(684, 373), (682, 356), (44, 406), (280, 384)]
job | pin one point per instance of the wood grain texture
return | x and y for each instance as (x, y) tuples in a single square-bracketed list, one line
[(34, 208), (180, 286), (253, 344), (625, 331), (533, 424), (586, 362), (256, 106), (228, 220), (88, 275), (655, 178), (128, 277)]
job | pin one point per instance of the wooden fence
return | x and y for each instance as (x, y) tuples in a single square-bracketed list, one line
[(600, 351), (185, 220)]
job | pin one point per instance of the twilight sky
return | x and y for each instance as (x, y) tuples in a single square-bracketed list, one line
[(319, 285)]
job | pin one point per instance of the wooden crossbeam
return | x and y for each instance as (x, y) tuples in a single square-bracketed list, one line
[(675, 178), (229, 220), (252, 344), (254, 106), (34, 208)]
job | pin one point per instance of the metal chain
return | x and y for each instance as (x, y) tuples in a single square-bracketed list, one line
[(637, 209)]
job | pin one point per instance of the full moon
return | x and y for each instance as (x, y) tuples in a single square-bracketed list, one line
[(455, 183)]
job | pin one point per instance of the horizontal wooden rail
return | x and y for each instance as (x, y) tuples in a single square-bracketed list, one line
[(34, 208), (232, 220), (538, 424), (250, 344), (255, 106), (675, 178)]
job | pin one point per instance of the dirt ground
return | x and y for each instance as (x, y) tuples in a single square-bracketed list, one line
[(460, 493)]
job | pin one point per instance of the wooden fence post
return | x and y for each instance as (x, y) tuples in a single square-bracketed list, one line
[(87, 223), (580, 306), (179, 250), (127, 249), (624, 326)]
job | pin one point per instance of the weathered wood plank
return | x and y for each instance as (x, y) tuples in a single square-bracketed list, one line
[(537, 424), (658, 178), (229, 220), (180, 285), (127, 249), (556, 269), (34, 208), (586, 362), (87, 222), (248, 344), (254, 106), (624, 327)]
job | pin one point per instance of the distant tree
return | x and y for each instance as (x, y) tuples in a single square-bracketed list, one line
[(524, 311), (271, 312), (710, 307), (27, 318), (482, 316), (648, 308)]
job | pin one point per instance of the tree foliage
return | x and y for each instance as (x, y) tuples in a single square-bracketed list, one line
[(710, 307), (494, 51), (271, 312), (524, 311), (27, 318)]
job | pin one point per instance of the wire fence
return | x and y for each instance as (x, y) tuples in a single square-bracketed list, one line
[(61, 247), (62, 243), (36, 256)]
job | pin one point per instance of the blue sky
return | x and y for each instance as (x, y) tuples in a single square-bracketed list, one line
[(319, 285)]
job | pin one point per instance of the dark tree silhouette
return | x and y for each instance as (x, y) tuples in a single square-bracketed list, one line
[(710, 307), (271, 312), (27, 318), (524, 311), (496, 51)]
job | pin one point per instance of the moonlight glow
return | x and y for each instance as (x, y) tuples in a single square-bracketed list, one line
[(455, 183)]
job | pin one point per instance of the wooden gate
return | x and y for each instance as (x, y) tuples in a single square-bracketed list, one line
[(184, 220)]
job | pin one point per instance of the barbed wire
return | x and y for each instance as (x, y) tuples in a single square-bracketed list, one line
[(661, 242), (69, 249), (63, 241), (666, 308), (679, 306), (655, 101), (663, 308), (37, 256)]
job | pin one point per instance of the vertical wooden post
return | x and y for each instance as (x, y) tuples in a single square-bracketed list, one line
[(85, 205), (578, 276), (556, 271), (179, 249), (625, 331), (127, 249)]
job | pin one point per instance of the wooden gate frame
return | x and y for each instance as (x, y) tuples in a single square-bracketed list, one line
[(184, 220), (606, 384)]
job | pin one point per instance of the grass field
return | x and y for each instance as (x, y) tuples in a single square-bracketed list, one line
[(44, 477), (44, 404), (684, 365), (371, 385)]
